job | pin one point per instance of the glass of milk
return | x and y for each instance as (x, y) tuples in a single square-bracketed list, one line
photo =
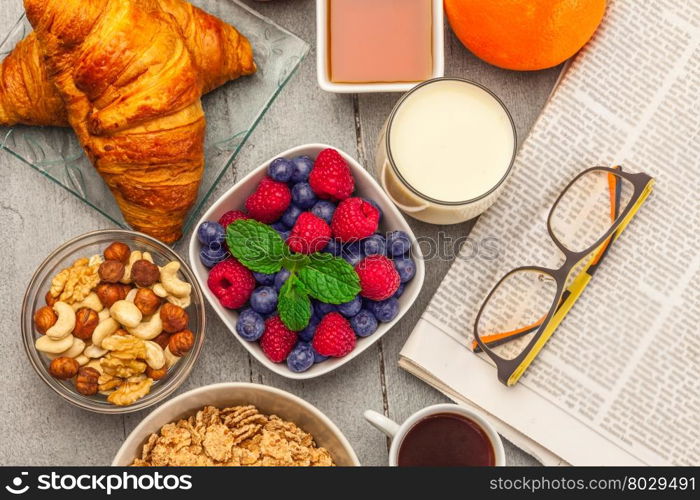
[(446, 150)]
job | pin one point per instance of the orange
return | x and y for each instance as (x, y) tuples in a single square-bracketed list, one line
[(524, 34)]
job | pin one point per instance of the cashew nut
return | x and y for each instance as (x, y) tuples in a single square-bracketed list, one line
[(64, 324), (82, 359), (92, 301), (97, 365), (170, 358), (104, 330), (126, 313), (183, 302), (159, 290), (170, 281), (154, 355), (135, 255), (48, 346), (131, 295), (94, 352), (149, 329), (73, 351), (103, 315), (147, 256)]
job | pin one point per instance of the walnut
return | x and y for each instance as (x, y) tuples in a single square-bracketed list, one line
[(175, 318), (162, 339), (108, 382), (145, 273), (130, 392), (110, 293), (111, 271), (147, 301), (118, 251), (50, 299), (73, 284), (181, 343), (86, 320), (64, 368), (122, 368), (44, 318), (86, 381), (156, 374), (125, 347)]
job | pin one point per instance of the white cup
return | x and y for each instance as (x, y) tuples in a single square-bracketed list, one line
[(397, 432)]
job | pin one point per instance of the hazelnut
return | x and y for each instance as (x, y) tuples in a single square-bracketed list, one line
[(50, 299), (181, 343), (86, 383), (118, 251), (111, 271), (86, 320), (44, 318), (162, 339), (147, 301), (144, 273), (64, 368), (175, 319), (109, 293), (156, 374)]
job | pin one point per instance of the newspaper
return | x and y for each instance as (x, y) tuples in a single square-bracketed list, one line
[(618, 382)]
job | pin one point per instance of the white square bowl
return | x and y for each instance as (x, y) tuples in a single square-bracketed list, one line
[(366, 187), (323, 59)]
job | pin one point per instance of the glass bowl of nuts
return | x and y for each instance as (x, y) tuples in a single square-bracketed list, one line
[(113, 321)]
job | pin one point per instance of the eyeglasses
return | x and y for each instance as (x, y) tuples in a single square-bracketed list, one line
[(525, 307)]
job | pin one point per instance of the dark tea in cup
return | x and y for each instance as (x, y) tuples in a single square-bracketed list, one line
[(446, 440)]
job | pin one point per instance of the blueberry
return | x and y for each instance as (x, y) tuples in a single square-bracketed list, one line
[(264, 279), (322, 308), (302, 168), (350, 309), (307, 334), (364, 323), (291, 215), (375, 205), (280, 278), (324, 209), (352, 253), (406, 268), (385, 310), (397, 243), (303, 196), (318, 358), (212, 254), (374, 245), (250, 325), (281, 170), (334, 247), (400, 290), (264, 299), (279, 227), (210, 232), (301, 358)]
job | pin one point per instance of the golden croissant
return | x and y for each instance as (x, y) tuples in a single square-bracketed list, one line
[(133, 98), (29, 97)]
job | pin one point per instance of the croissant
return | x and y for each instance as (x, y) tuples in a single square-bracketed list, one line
[(133, 98), (29, 97)]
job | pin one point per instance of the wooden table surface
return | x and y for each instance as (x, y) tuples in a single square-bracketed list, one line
[(36, 216)]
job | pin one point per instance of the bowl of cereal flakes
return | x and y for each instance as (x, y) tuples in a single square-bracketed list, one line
[(113, 321), (236, 424)]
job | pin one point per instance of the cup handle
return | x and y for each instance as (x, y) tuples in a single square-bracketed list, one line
[(405, 208), (382, 423)]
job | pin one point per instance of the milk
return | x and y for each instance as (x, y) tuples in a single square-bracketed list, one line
[(447, 148)]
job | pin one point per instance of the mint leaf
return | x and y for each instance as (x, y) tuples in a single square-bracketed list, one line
[(292, 262), (256, 245), (294, 305), (330, 279)]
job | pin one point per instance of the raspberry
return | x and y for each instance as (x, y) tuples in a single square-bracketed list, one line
[(334, 336), (331, 177), (378, 277), (269, 201), (354, 219), (310, 234), (232, 283), (232, 216), (277, 341)]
